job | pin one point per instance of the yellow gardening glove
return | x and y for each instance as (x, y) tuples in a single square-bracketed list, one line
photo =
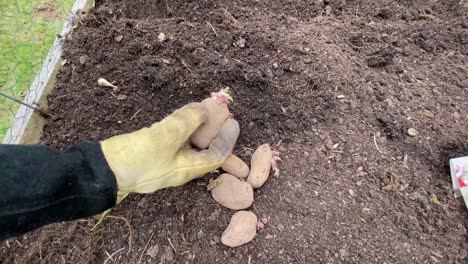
[(151, 158)]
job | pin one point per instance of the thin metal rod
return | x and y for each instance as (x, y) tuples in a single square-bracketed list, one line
[(25, 104)]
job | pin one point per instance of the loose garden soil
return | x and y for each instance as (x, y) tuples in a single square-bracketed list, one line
[(333, 85)]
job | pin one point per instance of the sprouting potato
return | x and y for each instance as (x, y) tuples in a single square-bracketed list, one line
[(260, 166), (232, 192), (218, 113), (241, 229), (235, 166)]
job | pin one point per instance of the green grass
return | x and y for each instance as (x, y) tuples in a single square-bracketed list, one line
[(27, 30)]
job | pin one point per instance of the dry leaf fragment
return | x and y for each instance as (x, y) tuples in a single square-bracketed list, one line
[(394, 183), (213, 183), (328, 142), (435, 199), (234, 22)]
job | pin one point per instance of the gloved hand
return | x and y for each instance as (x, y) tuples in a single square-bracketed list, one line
[(152, 158)]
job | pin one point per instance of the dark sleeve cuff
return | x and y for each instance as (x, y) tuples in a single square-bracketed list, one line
[(39, 185)]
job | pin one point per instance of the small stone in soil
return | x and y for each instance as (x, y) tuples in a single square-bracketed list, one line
[(142, 202), (121, 97), (153, 251), (412, 132), (118, 38), (83, 59), (240, 43), (280, 227), (162, 37), (200, 234), (214, 215)]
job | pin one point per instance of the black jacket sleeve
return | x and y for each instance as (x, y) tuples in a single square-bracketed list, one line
[(39, 185)]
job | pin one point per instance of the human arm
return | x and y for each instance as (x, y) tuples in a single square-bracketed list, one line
[(39, 185)]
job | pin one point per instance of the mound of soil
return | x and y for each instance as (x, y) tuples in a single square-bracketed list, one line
[(334, 85)]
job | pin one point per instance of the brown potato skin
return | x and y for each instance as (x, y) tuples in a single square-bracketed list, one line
[(217, 114), (236, 167), (233, 193), (260, 166), (241, 229)]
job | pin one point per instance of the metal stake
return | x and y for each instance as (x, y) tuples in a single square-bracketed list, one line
[(25, 104)]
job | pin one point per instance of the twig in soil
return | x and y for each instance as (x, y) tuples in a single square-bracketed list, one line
[(376, 146), (279, 142), (418, 81), (172, 245), (356, 47), (186, 65), (449, 214), (19, 244), (405, 161), (250, 259), (109, 256), (168, 8), (209, 24), (424, 15), (137, 112), (130, 236), (147, 243), (315, 181), (231, 18)]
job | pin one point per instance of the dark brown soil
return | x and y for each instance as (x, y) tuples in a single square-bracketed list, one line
[(305, 75)]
